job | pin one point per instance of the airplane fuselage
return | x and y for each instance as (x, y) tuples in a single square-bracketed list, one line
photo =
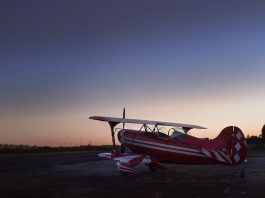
[(154, 147), (184, 149)]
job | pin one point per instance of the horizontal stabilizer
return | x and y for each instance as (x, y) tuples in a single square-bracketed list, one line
[(217, 155)]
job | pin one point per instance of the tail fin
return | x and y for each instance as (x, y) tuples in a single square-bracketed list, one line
[(231, 142)]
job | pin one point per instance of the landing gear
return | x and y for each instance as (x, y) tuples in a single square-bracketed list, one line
[(123, 173), (151, 167), (123, 147), (242, 173), (242, 170)]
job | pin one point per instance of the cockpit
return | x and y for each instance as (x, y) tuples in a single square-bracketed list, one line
[(171, 133)]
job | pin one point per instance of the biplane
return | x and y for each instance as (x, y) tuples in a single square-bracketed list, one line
[(153, 146)]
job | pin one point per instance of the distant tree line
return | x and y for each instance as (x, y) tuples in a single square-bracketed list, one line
[(263, 134), (257, 139), (16, 149), (253, 140)]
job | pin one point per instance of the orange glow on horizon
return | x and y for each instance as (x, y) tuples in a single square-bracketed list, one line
[(72, 127)]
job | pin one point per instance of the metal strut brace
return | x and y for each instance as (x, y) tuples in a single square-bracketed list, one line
[(156, 127), (112, 125)]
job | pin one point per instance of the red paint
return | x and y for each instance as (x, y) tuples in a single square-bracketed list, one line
[(186, 149)]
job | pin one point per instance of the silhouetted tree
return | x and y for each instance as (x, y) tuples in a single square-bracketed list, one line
[(253, 140), (263, 134)]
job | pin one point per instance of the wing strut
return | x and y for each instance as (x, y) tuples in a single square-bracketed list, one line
[(112, 125)]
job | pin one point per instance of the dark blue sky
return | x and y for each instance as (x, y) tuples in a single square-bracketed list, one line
[(57, 54)]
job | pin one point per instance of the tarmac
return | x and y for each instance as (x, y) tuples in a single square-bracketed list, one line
[(83, 174)]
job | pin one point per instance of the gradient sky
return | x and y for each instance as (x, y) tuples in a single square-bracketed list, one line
[(197, 62)]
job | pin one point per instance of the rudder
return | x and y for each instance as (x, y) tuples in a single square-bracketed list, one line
[(231, 142)]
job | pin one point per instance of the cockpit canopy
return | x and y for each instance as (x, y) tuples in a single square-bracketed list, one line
[(171, 133)]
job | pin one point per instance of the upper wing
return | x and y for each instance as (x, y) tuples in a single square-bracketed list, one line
[(138, 121)]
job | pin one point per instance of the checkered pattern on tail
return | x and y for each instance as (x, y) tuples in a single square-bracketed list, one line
[(229, 147), (239, 149)]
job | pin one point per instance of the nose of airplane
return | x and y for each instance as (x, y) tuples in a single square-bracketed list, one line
[(120, 135)]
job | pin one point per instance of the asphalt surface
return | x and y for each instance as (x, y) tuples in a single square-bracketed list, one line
[(83, 174), (24, 162)]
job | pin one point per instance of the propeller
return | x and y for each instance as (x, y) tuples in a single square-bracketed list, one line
[(123, 125), (112, 125), (123, 116)]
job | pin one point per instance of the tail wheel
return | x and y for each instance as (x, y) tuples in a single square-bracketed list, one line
[(242, 173)]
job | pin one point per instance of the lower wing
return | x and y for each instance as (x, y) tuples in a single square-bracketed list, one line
[(125, 163)]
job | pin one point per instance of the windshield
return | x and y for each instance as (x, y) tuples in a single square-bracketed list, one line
[(172, 132), (175, 132)]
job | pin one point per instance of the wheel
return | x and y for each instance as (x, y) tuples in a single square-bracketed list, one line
[(123, 148), (123, 173), (152, 168), (242, 173)]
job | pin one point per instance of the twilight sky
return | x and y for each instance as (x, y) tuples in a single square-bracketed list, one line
[(197, 62)]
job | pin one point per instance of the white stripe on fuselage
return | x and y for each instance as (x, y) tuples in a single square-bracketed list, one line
[(161, 147)]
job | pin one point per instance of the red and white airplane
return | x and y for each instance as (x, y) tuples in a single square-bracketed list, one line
[(152, 146)]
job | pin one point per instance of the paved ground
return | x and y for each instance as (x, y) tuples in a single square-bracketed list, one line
[(82, 174)]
